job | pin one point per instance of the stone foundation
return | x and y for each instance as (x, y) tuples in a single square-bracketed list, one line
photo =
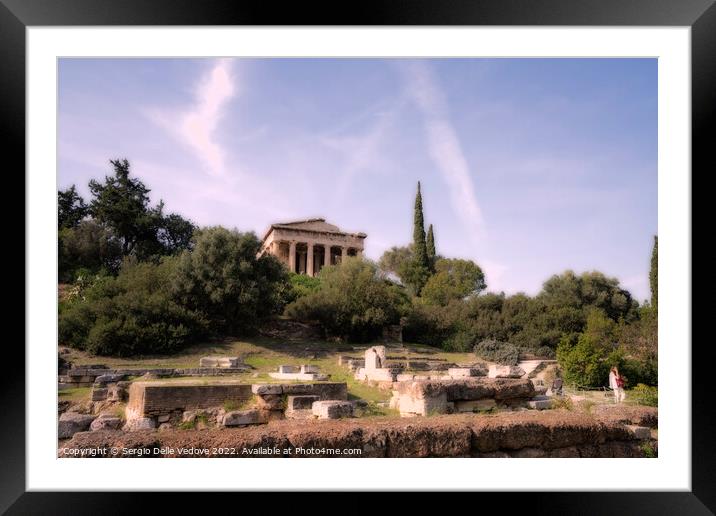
[(424, 398), (147, 399), (520, 434)]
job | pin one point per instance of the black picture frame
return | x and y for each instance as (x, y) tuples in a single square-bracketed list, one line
[(699, 15)]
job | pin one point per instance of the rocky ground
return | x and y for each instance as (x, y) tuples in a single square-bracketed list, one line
[(609, 431)]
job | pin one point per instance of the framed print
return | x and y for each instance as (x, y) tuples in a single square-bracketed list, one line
[(426, 237)]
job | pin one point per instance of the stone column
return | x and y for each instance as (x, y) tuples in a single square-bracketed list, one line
[(292, 256), (344, 253), (309, 259), (327, 257)]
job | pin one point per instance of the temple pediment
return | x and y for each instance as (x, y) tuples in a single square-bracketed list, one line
[(306, 246)]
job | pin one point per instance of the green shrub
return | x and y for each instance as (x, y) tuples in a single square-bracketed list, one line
[(636, 371), (460, 342), (502, 353), (585, 363), (545, 352), (222, 278), (645, 395), (131, 314), (353, 301), (302, 285)]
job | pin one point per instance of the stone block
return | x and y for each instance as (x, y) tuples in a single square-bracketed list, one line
[(208, 362), (106, 422), (301, 402), (639, 432), (403, 377), (539, 404), (309, 369), (149, 399), (381, 375), (505, 371), (475, 405), (108, 378), (140, 423), (375, 358), (163, 418), (288, 369), (270, 402), (244, 417), (99, 394), (421, 406), (117, 393), (324, 391), (72, 422), (219, 362), (306, 377), (332, 409), (266, 388), (466, 372)]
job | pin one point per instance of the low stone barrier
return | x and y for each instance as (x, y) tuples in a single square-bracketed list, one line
[(86, 376), (556, 433)]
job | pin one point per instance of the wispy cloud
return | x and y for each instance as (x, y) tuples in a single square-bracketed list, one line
[(196, 126), (444, 145), (360, 152)]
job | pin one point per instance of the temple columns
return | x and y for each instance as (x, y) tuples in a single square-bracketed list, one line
[(292, 256), (327, 257), (344, 253), (309, 259)]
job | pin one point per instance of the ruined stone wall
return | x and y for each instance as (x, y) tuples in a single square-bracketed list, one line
[(148, 399), (523, 434)]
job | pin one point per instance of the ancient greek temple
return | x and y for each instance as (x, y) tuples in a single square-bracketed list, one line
[(305, 246)]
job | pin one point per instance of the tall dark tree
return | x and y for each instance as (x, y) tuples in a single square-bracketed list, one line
[(654, 274), (420, 251), (431, 246), (71, 208), (122, 204), (417, 272)]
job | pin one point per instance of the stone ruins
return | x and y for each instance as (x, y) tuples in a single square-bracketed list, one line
[(88, 375), (306, 246), (302, 372), (444, 388)]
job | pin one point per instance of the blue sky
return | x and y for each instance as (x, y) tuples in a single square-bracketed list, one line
[(528, 166)]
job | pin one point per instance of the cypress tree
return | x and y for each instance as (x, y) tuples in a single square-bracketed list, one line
[(654, 274), (431, 246), (419, 245), (416, 273)]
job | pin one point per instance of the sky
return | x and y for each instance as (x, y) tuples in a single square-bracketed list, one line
[(529, 167)]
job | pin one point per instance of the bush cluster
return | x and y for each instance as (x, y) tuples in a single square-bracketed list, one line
[(150, 307), (501, 353), (352, 301), (645, 395)]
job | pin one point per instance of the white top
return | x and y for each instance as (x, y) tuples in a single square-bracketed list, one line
[(612, 380)]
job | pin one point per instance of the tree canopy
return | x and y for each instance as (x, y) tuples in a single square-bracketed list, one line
[(71, 208), (223, 278), (353, 301), (453, 279)]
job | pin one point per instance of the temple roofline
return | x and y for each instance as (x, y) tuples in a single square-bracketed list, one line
[(291, 226)]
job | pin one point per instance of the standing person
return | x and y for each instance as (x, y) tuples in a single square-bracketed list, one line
[(557, 386), (616, 383)]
